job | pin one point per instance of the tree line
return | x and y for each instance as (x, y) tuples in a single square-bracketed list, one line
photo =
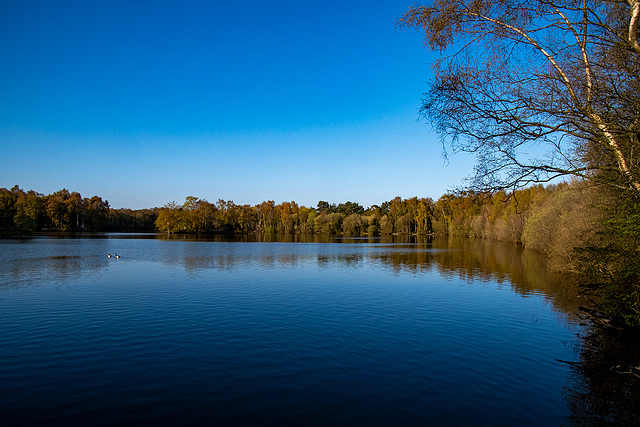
[(583, 228), (580, 227), (24, 212), (517, 216), (513, 216), (401, 216)]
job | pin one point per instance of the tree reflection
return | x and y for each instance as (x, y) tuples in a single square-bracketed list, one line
[(605, 384), (525, 271), (602, 388), (25, 268)]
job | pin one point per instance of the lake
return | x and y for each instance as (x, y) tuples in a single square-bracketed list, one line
[(183, 331)]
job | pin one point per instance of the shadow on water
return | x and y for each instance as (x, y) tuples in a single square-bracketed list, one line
[(604, 386)]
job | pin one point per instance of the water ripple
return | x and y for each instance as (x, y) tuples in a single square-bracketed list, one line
[(272, 334)]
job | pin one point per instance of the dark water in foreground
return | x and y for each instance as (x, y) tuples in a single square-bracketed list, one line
[(364, 332)]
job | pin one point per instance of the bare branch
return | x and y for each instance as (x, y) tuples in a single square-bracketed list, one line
[(559, 77)]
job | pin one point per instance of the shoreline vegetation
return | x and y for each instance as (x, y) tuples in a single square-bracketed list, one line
[(578, 226), (516, 217)]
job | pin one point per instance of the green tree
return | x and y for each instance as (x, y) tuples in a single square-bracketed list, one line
[(373, 229), (353, 225), (304, 216), (8, 199), (321, 223), (405, 224), (348, 208), (324, 206), (96, 213), (75, 208), (386, 225), (334, 223), (311, 221), (28, 209)]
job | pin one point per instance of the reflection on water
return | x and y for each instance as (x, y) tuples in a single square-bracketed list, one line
[(604, 387), (23, 263), (465, 259), (314, 330)]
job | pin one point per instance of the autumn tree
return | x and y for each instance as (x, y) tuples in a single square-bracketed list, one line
[(171, 218), (227, 214), (288, 213), (57, 207), (424, 215), (353, 225), (247, 218), (537, 89), (200, 216), (267, 216), (334, 223)]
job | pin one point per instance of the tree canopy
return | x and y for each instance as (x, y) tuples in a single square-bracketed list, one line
[(536, 89)]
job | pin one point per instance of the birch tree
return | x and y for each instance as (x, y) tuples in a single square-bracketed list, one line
[(537, 89)]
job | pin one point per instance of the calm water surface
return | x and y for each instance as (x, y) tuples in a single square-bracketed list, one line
[(362, 332)]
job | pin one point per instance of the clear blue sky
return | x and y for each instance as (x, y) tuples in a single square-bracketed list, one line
[(145, 102)]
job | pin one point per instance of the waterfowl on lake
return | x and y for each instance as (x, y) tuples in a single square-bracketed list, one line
[(109, 255), (117, 256)]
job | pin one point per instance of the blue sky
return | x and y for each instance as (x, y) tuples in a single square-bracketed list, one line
[(144, 102)]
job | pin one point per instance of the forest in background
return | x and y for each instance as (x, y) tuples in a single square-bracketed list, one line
[(581, 227), (25, 212), (553, 219)]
